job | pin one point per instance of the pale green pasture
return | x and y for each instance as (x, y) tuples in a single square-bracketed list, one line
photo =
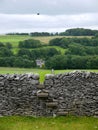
[(41, 72), (13, 39)]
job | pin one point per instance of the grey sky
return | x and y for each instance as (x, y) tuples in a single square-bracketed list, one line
[(55, 15)]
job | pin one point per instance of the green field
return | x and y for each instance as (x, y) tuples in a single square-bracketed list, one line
[(41, 72), (58, 123)]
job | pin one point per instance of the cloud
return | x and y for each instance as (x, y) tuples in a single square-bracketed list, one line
[(50, 7), (46, 23), (55, 15)]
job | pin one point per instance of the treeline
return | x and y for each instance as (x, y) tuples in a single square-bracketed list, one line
[(68, 32), (72, 62), (35, 34), (79, 32), (66, 42), (41, 34), (17, 34)]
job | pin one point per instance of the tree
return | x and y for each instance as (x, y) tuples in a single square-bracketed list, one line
[(4, 52), (30, 43), (1, 45), (57, 62), (8, 45), (76, 49), (23, 52)]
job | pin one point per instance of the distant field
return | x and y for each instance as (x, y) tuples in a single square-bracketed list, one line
[(41, 72), (58, 123), (14, 39)]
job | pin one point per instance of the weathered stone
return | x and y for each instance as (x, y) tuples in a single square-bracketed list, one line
[(52, 104), (42, 95), (40, 86), (49, 76), (62, 113)]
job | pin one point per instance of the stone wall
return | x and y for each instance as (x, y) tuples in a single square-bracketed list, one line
[(74, 93), (18, 94)]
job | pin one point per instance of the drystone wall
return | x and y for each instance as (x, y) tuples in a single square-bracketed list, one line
[(74, 93), (17, 94)]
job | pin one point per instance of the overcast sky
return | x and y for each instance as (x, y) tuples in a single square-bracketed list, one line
[(55, 15)]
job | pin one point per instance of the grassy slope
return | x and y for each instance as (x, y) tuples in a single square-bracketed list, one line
[(59, 123)]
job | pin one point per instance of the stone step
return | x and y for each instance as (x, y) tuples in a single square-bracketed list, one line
[(52, 104), (96, 113), (62, 113), (42, 94), (40, 86)]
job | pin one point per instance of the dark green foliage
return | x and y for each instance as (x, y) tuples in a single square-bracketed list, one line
[(40, 34), (24, 52), (61, 42), (79, 32), (1, 44), (76, 49), (5, 52), (72, 62), (23, 63), (55, 42), (16, 62), (57, 62), (8, 45), (17, 34), (30, 43), (65, 42), (44, 53)]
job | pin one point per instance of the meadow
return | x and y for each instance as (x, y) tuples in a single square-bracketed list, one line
[(58, 123)]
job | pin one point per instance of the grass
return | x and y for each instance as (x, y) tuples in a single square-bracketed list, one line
[(58, 123), (41, 72)]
